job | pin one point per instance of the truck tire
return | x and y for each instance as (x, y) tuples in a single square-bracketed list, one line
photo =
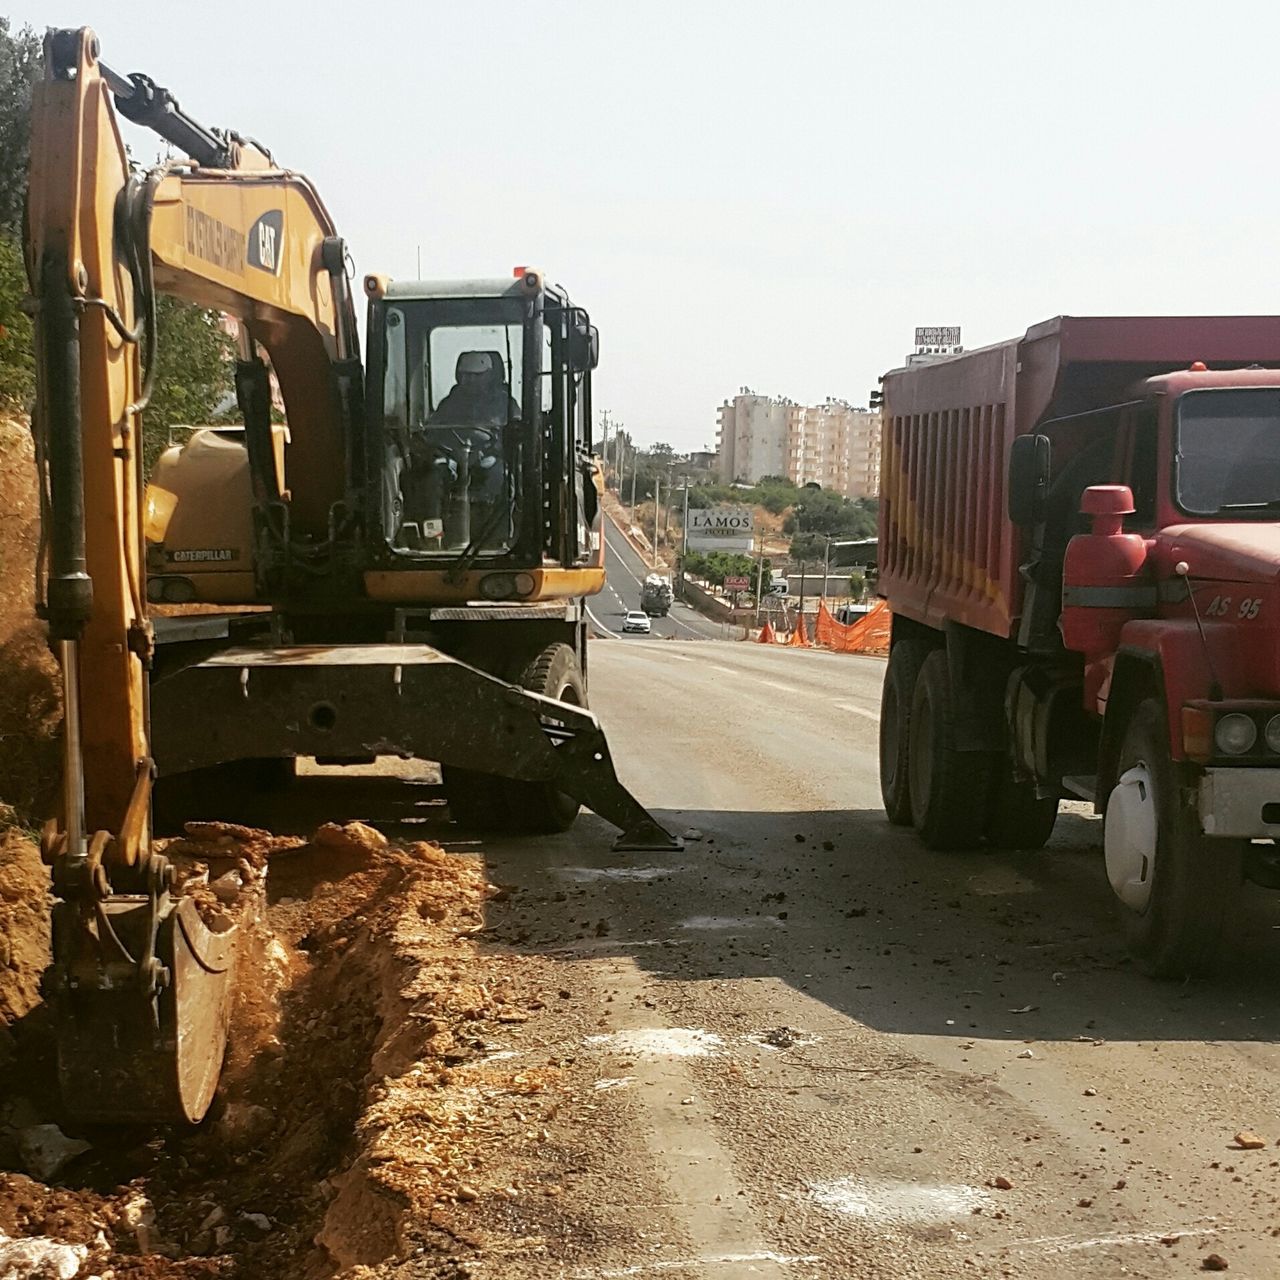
[(1175, 887), (474, 799), (950, 789), (1017, 819), (905, 660), (488, 802)]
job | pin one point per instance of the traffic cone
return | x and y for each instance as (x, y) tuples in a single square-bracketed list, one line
[(766, 634)]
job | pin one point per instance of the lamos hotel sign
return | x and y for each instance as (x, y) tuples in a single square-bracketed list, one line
[(721, 529)]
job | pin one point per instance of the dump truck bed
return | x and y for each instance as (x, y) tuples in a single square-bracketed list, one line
[(948, 551)]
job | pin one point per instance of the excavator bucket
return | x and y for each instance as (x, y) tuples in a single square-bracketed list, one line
[(140, 1042)]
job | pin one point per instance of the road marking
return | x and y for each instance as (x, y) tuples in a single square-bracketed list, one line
[(703, 1260), (660, 1042), (608, 635), (853, 709), (891, 1201), (1068, 1244)]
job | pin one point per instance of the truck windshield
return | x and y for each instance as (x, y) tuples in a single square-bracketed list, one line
[(1228, 451), (452, 393)]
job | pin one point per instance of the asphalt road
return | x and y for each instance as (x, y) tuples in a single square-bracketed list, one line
[(805, 1047), (625, 571)]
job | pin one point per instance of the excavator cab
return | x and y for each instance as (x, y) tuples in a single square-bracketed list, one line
[(478, 408)]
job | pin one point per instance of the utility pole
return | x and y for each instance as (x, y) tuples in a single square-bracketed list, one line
[(826, 566), (657, 507), (800, 614), (631, 513), (759, 577)]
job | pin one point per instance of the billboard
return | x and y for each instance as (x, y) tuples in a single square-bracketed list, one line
[(721, 529), (931, 337)]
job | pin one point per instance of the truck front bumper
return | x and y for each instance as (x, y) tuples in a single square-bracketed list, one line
[(1236, 803)]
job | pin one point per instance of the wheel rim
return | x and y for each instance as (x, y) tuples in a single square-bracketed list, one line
[(1130, 837)]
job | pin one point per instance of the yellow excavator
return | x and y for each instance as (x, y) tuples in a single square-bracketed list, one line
[(418, 537)]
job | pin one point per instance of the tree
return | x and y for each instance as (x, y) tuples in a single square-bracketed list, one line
[(193, 371), (20, 62), (194, 354)]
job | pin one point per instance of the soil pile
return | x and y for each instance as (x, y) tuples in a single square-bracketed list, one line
[(358, 1097), (30, 699)]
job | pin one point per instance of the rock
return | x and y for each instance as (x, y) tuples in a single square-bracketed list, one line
[(214, 1218), (468, 1195), (1001, 1183), (1091, 1092), (226, 888), (1026, 1053), (352, 837), (1214, 1262), (39, 1258), (686, 1102), (244, 1125), (259, 1221), (139, 1216), (1247, 1140), (46, 1150), (222, 1236), (1084, 1203), (692, 833)]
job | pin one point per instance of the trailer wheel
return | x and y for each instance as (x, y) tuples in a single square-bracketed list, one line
[(905, 660), (1175, 887), (949, 788), (1018, 820), (538, 807)]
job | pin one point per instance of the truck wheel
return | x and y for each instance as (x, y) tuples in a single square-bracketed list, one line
[(905, 660), (475, 799), (538, 807), (1176, 888), (1018, 820), (949, 788)]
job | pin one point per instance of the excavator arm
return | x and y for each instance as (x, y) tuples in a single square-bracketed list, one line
[(141, 983)]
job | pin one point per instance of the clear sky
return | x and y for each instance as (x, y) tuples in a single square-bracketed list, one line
[(760, 194)]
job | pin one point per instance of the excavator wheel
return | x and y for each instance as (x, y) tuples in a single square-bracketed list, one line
[(537, 807), (487, 802)]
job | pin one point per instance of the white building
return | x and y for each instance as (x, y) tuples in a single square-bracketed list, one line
[(834, 445)]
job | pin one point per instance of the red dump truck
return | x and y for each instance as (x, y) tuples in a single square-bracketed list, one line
[(1080, 545)]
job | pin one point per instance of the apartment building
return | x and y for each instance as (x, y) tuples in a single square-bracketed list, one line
[(834, 444), (751, 437)]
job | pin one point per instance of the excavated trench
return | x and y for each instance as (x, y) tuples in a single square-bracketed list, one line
[(351, 1114)]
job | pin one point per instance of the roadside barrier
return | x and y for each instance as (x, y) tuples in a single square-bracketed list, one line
[(870, 634), (800, 636), (767, 634)]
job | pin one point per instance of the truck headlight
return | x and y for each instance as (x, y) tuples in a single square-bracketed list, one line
[(1273, 733), (1236, 733)]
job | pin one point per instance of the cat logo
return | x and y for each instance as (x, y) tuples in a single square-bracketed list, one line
[(266, 238)]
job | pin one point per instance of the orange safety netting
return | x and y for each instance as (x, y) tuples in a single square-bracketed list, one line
[(800, 636), (870, 634)]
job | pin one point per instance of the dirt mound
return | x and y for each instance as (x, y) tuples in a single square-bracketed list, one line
[(352, 1112), (30, 698), (24, 928)]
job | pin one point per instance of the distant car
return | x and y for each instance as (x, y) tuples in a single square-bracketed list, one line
[(636, 621)]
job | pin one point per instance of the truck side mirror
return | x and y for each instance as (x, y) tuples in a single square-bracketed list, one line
[(1028, 480)]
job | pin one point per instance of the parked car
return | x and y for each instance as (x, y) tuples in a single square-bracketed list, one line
[(636, 620)]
